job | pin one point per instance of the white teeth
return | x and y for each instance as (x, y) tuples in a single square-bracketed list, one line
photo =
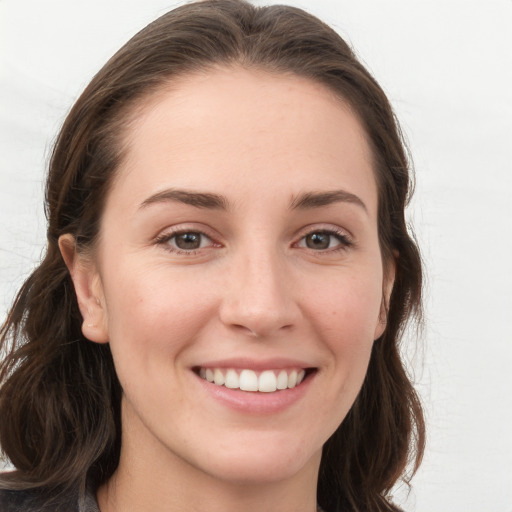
[(282, 380), (232, 380), (292, 379), (218, 377), (248, 380), (268, 381)]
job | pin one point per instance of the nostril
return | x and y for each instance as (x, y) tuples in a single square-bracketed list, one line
[(257, 316), (260, 332), (247, 330)]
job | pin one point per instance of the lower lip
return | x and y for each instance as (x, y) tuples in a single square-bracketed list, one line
[(253, 402)]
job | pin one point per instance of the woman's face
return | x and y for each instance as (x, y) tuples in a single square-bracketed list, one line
[(239, 243)]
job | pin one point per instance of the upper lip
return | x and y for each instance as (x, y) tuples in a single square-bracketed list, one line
[(257, 364)]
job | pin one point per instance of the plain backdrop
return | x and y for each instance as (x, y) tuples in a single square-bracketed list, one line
[(446, 65)]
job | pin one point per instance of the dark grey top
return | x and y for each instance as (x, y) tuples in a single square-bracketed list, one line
[(38, 501)]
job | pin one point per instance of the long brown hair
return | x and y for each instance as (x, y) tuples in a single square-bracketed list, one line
[(60, 397)]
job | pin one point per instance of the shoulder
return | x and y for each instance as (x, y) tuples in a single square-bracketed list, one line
[(35, 500)]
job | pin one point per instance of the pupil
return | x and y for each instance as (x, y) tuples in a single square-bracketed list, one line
[(188, 241), (318, 241)]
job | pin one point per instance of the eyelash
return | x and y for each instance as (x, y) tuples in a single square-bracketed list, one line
[(166, 238), (344, 241)]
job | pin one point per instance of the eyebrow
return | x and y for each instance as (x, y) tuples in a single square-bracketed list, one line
[(212, 201), (319, 199), (197, 199)]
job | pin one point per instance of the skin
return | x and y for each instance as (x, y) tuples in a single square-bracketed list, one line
[(254, 289)]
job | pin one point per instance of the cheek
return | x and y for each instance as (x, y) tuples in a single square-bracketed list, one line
[(345, 315), (349, 303), (150, 311), (153, 320)]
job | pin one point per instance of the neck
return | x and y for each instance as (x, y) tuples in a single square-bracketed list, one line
[(151, 477)]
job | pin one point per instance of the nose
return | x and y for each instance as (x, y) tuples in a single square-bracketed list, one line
[(258, 299)]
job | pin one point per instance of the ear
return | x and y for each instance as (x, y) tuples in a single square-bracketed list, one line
[(88, 289), (388, 281)]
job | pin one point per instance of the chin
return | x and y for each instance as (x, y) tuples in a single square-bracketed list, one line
[(263, 463)]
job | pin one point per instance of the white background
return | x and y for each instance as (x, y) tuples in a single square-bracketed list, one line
[(447, 68)]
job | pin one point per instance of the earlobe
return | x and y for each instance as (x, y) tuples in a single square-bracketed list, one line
[(88, 290), (387, 288), (381, 322)]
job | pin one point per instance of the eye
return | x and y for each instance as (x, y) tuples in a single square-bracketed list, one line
[(323, 240), (185, 241), (189, 241)]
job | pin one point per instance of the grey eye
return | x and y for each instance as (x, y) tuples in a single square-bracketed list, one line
[(189, 241), (323, 240), (318, 240)]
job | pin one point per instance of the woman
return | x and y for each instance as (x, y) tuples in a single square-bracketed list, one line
[(215, 323)]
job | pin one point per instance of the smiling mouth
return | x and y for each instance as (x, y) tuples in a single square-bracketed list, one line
[(267, 381)]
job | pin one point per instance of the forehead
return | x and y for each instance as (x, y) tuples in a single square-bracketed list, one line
[(247, 127)]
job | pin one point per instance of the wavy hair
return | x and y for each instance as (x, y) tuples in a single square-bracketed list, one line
[(59, 395)]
